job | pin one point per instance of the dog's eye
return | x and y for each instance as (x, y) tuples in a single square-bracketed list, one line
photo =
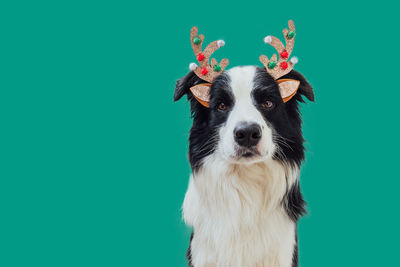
[(222, 106), (268, 104)]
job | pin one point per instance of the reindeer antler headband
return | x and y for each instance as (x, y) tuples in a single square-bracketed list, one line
[(281, 67), (276, 68), (206, 71)]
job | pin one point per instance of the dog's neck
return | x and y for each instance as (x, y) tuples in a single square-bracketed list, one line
[(233, 206), (260, 185)]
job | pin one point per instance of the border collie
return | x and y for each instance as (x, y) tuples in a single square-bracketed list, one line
[(243, 199)]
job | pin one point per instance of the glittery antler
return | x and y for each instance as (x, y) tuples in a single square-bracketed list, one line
[(281, 67), (206, 71)]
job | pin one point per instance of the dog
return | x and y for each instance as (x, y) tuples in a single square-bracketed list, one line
[(245, 150)]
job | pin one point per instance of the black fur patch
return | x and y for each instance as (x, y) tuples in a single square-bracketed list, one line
[(189, 251), (203, 137), (295, 259), (294, 202), (285, 118)]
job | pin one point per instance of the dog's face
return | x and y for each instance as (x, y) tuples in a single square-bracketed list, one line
[(247, 120)]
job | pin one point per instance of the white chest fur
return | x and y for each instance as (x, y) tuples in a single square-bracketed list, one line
[(237, 214)]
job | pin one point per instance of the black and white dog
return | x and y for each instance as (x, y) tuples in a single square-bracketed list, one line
[(245, 150)]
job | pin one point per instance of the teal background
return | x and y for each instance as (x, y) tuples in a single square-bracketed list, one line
[(93, 151)]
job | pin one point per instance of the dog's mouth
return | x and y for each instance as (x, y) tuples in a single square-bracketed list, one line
[(247, 153)]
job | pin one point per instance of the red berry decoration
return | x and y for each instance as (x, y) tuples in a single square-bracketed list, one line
[(284, 65), (200, 57), (284, 54), (204, 71)]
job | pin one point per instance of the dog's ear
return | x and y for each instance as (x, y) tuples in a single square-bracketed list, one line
[(303, 87), (199, 89), (288, 88), (183, 85)]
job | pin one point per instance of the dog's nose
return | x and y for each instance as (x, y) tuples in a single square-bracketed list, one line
[(247, 135)]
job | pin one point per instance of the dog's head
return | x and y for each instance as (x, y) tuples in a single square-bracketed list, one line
[(247, 119), (246, 114)]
